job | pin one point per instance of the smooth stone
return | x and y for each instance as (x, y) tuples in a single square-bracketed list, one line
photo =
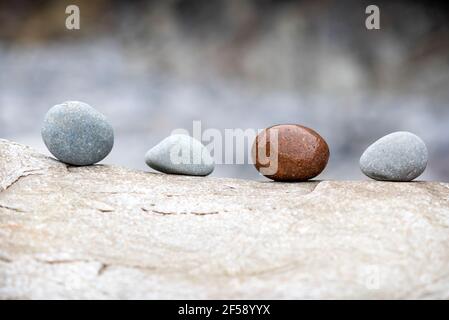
[(77, 134), (302, 153), (399, 156), (180, 154)]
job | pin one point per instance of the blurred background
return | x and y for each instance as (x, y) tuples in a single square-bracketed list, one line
[(155, 66)]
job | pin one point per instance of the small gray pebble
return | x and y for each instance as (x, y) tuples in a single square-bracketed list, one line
[(399, 156), (77, 134), (180, 154)]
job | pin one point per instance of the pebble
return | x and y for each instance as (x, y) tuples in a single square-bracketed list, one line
[(399, 156), (180, 154), (302, 153), (77, 134)]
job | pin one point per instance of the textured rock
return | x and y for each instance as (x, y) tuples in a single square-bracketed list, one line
[(77, 134), (180, 154), (399, 156), (300, 153), (109, 232)]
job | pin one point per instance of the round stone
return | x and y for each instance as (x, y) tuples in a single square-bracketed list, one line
[(290, 152), (399, 156), (77, 134), (180, 154)]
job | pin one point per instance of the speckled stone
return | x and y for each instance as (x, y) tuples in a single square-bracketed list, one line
[(77, 134), (180, 154), (399, 156), (302, 153)]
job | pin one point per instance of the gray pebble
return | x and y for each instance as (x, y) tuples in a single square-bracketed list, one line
[(399, 156), (77, 134), (180, 154)]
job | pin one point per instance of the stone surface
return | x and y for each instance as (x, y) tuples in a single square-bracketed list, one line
[(399, 156), (180, 154), (109, 232), (77, 134), (302, 153)]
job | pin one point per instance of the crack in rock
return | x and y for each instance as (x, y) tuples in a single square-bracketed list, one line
[(4, 259), (203, 213), (2, 206), (23, 174), (101, 270), (169, 213)]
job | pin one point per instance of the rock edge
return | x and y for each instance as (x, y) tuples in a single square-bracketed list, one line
[(106, 232)]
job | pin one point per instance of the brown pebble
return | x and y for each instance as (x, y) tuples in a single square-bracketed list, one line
[(302, 153)]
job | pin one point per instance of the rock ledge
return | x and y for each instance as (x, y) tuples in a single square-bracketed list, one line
[(106, 232)]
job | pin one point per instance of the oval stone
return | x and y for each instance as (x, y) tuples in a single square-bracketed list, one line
[(290, 152), (399, 156), (180, 154), (77, 134)]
